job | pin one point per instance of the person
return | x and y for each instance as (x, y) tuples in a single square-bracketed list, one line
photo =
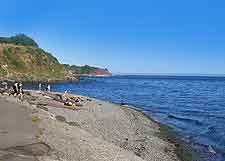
[(17, 89), (6, 86), (39, 86), (68, 102), (48, 88)]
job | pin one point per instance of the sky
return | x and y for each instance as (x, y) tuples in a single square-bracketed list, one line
[(125, 36)]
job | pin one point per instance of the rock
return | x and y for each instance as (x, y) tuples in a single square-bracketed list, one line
[(6, 94), (47, 97), (60, 118)]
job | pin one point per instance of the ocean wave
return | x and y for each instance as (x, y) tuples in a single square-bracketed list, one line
[(172, 116)]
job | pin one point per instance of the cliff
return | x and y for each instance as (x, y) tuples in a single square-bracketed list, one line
[(22, 59)]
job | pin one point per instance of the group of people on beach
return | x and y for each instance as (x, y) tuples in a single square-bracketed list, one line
[(71, 100), (48, 87), (17, 88)]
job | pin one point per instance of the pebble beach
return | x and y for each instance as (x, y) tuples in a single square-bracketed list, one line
[(93, 130)]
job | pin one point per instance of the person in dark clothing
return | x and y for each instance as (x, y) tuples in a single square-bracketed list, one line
[(48, 88), (17, 89)]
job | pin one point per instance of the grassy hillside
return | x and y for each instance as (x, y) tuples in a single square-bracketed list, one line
[(29, 64), (87, 70), (22, 59)]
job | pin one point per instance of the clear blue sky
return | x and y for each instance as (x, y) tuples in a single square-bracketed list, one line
[(126, 36)]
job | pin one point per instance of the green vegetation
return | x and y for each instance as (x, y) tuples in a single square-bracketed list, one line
[(19, 39), (3, 72), (11, 58), (29, 63), (22, 59), (36, 119), (82, 69), (86, 69)]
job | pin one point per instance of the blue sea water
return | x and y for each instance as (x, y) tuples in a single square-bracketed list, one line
[(194, 106)]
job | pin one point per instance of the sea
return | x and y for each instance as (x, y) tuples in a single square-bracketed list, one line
[(192, 106)]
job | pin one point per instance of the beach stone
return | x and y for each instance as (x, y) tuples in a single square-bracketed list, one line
[(95, 132), (60, 118), (123, 127)]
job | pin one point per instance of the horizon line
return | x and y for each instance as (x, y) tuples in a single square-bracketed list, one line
[(171, 74)]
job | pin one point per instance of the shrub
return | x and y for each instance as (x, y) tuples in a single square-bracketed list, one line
[(19, 39), (12, 59)]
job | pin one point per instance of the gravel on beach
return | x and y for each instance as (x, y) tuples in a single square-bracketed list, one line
[(93, 130)]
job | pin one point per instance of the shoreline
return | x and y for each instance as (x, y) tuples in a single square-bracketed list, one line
[(74, 79), (167, 134), (131, 131)]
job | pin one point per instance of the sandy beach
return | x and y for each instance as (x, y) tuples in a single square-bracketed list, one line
[(41, 128)]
